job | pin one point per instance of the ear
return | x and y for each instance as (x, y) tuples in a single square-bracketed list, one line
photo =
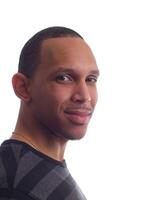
[(20, 85)]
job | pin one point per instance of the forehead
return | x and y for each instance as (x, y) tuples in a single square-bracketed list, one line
[(67, 52)]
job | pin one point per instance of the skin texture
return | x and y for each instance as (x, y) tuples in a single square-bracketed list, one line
[(58, 101)]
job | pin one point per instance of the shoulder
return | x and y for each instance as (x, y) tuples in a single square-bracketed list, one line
[(10, 155), (14, 161)]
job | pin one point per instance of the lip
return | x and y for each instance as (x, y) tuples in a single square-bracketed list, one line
[(78, 117)]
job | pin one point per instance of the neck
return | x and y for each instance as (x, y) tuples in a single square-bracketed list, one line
[(34, 134), (50, 146)]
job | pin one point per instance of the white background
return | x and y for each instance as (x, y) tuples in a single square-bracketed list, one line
[(118, 157)]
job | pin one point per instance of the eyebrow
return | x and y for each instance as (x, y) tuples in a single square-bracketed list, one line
[(69, 70), (96, 72)]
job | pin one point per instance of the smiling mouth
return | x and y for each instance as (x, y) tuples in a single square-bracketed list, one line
[(78, 117)]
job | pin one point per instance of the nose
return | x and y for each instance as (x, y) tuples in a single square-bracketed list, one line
[(81, 93)]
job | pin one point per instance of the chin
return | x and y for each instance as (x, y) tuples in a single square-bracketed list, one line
[(72, 133), (75, 135)]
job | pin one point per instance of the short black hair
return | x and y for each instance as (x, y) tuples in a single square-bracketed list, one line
[(30, 54)]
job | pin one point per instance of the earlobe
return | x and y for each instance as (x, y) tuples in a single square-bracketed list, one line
[(20, 85)]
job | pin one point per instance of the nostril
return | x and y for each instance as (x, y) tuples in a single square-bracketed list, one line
[(81, 98)]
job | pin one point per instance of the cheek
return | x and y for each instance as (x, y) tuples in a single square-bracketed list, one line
[(55, 100), (58, 99)]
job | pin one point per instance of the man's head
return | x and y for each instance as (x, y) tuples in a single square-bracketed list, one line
[(30, 54), (57, 82)]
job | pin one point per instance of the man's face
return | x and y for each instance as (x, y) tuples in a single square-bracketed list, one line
[(63, 89)]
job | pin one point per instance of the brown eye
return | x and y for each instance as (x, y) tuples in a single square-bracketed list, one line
[(92, 79), (64, 78)]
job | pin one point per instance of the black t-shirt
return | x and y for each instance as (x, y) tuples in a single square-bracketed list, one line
[(27, 174)]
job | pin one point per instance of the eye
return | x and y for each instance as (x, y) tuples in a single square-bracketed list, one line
[(92, 79), (64, 78)]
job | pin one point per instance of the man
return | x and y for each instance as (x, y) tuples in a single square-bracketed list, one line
[(56, 83)]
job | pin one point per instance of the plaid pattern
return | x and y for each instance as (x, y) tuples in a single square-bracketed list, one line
[(26, 174)]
